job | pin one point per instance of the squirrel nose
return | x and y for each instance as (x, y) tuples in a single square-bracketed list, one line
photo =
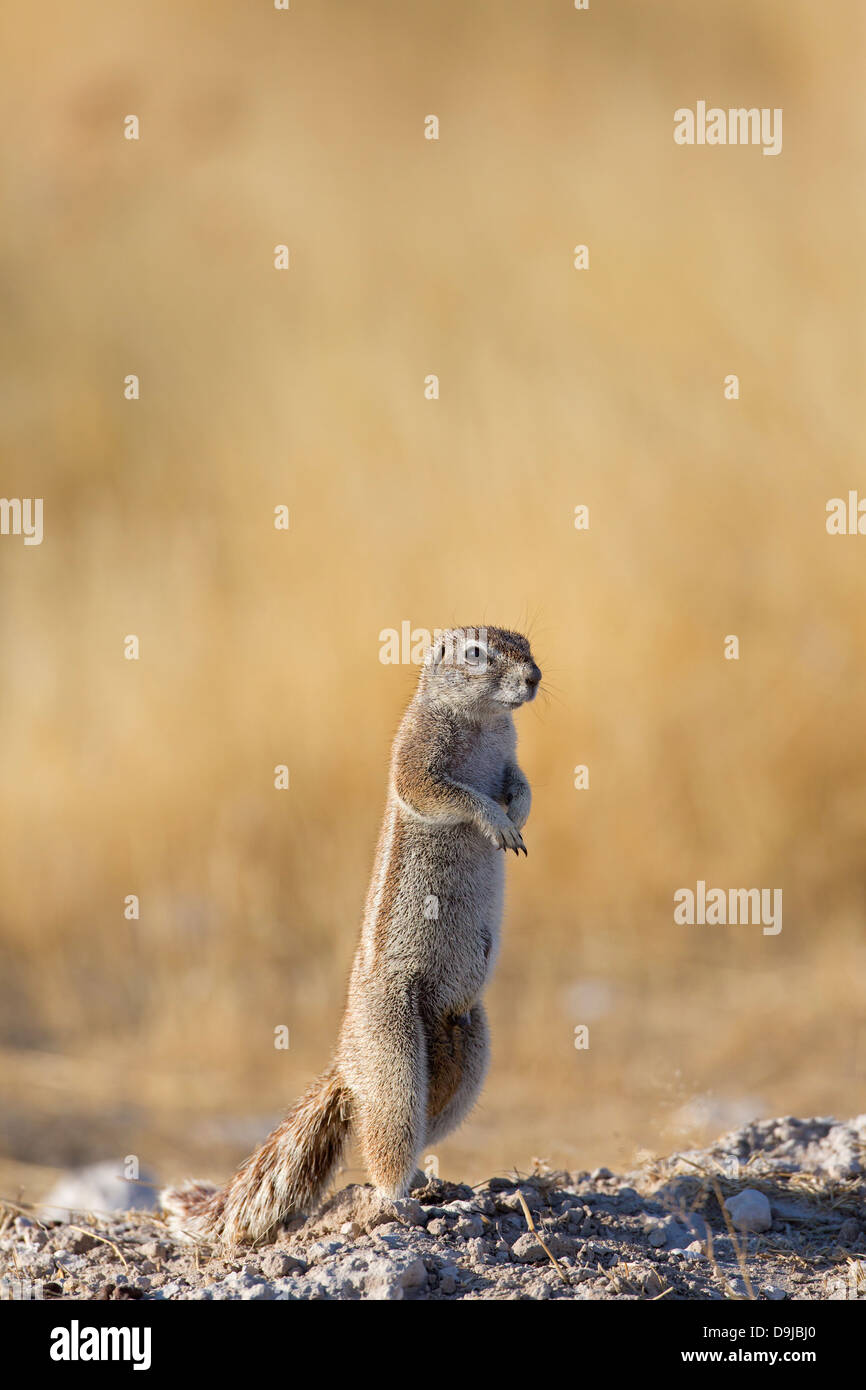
[(534, 677)]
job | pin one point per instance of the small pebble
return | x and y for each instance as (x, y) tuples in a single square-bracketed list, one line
[(750, 1211)]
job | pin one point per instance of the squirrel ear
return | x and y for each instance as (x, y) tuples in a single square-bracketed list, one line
[(436, 654)]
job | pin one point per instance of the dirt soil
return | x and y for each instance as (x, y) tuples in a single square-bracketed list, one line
[(661, 1231)]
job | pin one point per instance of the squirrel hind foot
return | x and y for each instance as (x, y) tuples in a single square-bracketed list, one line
[(190, 1209)]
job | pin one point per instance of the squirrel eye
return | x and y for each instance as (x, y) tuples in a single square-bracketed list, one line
[(473, 653)]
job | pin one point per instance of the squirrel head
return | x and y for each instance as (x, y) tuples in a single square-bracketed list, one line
[(482, 671)]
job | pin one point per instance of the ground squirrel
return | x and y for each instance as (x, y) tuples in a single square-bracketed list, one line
[(412, 1052)]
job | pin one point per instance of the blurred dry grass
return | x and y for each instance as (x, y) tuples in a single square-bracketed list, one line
[(257, 648)]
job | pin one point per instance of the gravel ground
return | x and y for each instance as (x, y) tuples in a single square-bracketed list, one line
[(669, 1229)]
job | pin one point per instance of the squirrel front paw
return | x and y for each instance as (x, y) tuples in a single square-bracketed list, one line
[(503, 833), (517, 803)]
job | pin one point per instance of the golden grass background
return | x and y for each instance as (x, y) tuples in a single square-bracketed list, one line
[(306, 388)]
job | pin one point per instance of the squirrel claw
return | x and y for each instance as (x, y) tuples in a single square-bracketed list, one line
[(506, 836)]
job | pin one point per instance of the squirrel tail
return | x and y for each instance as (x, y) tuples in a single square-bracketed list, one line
[(284, 1176)]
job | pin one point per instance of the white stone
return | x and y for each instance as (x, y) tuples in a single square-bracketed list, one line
[(750, 1210)]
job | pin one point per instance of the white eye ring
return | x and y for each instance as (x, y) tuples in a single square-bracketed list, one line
[(475, 653)]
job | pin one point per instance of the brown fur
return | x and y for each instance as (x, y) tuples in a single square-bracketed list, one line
[(413, 1047)]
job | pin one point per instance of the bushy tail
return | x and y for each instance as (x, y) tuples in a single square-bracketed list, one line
[(281, 1178)]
